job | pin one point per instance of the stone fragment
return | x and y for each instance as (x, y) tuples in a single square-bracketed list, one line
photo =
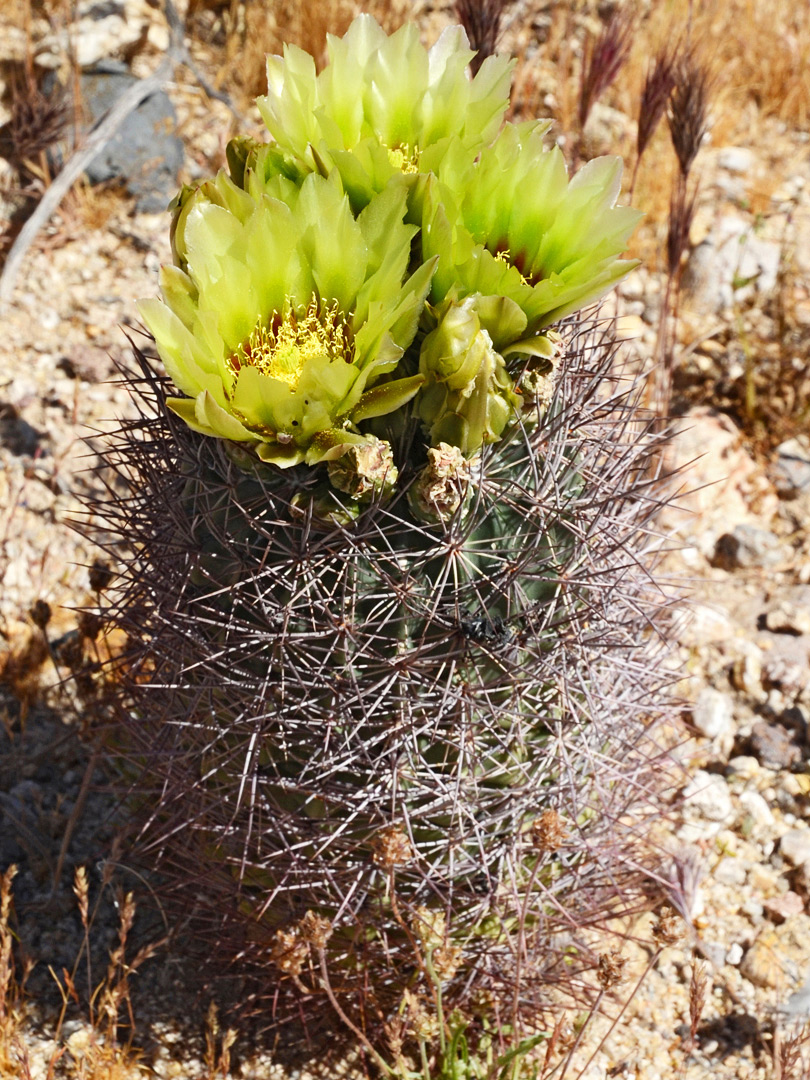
[(87, 362), (789, 676), (756, 808), (773, 746), (791, 469), (788, 618), (764, 880), (713, 713), (707, 794), (748, 547), (729, 872), (778, 957), (798, 1004), (795, 846), (734, 954), (145, 151), (730, 266), (736, 159), (702, 624), (103, 28), (780, 908), (743, 767), (746, 674)]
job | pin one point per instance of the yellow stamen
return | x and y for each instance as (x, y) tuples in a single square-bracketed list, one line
[(404, 158), (282, 348), (503, 255)]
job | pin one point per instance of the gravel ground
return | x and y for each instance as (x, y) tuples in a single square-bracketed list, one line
[(740, 827)]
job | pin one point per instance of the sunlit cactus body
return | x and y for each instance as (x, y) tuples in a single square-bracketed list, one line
[(387, 605)]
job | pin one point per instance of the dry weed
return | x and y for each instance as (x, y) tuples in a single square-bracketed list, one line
[(94, 1051), (11, 1047), (241, 33)]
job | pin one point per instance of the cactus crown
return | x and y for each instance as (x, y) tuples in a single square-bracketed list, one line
[(418, 254)]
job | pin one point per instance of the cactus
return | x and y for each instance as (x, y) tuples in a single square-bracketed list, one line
[(384, 583)]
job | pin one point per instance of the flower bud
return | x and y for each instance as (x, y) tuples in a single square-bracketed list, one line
[(468, 398)]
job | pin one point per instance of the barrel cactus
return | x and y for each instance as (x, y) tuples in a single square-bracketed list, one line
[(389, 675)]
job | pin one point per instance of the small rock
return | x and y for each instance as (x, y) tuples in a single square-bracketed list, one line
[(104, 28), (748, 547), (731, 265), (734, 954), (795, 846), (145, 152), (743, 767), (788, 676), (702, 624), (746, 674), (773, 746), (730, 872), (791, 470), (764, 880), (783, 907), (713, 713), (795, 786), (797, 720), (736, 159), (755, 807), (753, 909), (788, 618), (605, 129), (778, 956), (798, 1004), (87, 362), (707, 794)]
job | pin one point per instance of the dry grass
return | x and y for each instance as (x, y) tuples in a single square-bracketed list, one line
[(240, 34), (96, 1050)]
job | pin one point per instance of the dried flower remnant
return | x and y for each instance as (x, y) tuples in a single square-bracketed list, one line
[(291, 948), (442, 485), (289, 952), (610, 969), (446, 960), (365, 470), (40, 613), (668, 928), (392, 848), (314, 929), (423, 1023), (547, 832), (100, 576)]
